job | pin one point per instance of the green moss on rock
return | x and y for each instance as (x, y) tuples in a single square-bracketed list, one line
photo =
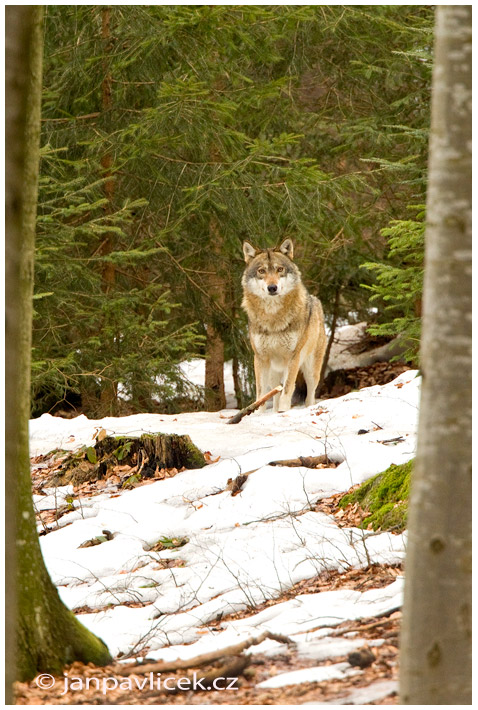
[(384, 497)]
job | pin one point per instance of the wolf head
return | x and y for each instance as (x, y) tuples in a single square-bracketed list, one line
[(270, 272)]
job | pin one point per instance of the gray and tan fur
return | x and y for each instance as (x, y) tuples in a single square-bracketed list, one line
[(286, 323)]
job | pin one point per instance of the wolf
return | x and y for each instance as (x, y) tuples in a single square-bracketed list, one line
[(286, 323)]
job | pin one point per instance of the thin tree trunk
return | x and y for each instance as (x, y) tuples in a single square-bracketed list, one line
[(436, 636), (109, 388), (333, 327), (214, 379), (107, 158), (48, 634), (237, 382)]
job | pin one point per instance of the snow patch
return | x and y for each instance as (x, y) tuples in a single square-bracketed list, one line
[(241, 550), (310, 675)]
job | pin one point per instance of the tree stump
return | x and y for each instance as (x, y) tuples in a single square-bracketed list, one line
[(173, 450), (146, 454)]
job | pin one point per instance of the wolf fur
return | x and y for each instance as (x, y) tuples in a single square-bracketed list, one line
[(286, 323)]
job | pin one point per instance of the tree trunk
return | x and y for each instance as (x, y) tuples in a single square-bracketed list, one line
[(18, 26), (215, 397), (109, 387), (333, 327), (48, 634), (237, 382), (107, 157), (436, 636)]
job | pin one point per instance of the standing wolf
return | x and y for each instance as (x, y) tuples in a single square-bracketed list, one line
[(286, 323)]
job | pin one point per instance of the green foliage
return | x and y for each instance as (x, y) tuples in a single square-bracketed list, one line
[(91, 454), (384, 497), (173, 133), (167, 543), (399, 283)]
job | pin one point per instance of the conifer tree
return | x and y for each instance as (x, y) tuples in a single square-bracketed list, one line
[(221, 123)]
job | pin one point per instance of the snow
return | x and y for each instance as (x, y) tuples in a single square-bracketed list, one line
[(241, 550), (54, 498), (346, 338), (309, 675), (195, 372), (364, 696)]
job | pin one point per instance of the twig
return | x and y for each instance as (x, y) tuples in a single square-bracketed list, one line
[(71, 118), (391, 441), (255, 405)]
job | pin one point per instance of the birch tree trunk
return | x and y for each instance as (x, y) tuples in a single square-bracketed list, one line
[(48, 635), (436, 636)]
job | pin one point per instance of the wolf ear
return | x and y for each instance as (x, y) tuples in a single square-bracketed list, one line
[(287, 248), (249, 252)]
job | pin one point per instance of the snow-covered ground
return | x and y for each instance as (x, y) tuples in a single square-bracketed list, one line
[(241, 550), (195, 372)]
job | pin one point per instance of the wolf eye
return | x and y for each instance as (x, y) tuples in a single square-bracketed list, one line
[(261, 271), (280, 269)]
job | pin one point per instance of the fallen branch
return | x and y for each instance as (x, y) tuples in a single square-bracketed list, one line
[(255, 405), (202, 659), (226, 672), (307, 461), (358, 628)]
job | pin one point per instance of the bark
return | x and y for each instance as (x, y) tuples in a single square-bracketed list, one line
[(109, 387), (48, 634), (107, 158), (18, 24), (215, 397), (333, 327), (436, 635), (237, 382)]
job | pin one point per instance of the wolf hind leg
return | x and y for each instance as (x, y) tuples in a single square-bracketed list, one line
[(311, 377), (317, 363)]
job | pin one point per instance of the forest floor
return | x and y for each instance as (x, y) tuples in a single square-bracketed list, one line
[(375, 682), (181, 564)]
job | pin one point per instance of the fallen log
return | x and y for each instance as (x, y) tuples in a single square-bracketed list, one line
[(255, 405)]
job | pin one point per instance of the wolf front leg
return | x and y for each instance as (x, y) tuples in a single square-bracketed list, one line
[(276, 378), (262, 379), (289, 383)]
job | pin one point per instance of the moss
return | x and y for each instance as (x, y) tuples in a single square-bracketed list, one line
[(384, 497)]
